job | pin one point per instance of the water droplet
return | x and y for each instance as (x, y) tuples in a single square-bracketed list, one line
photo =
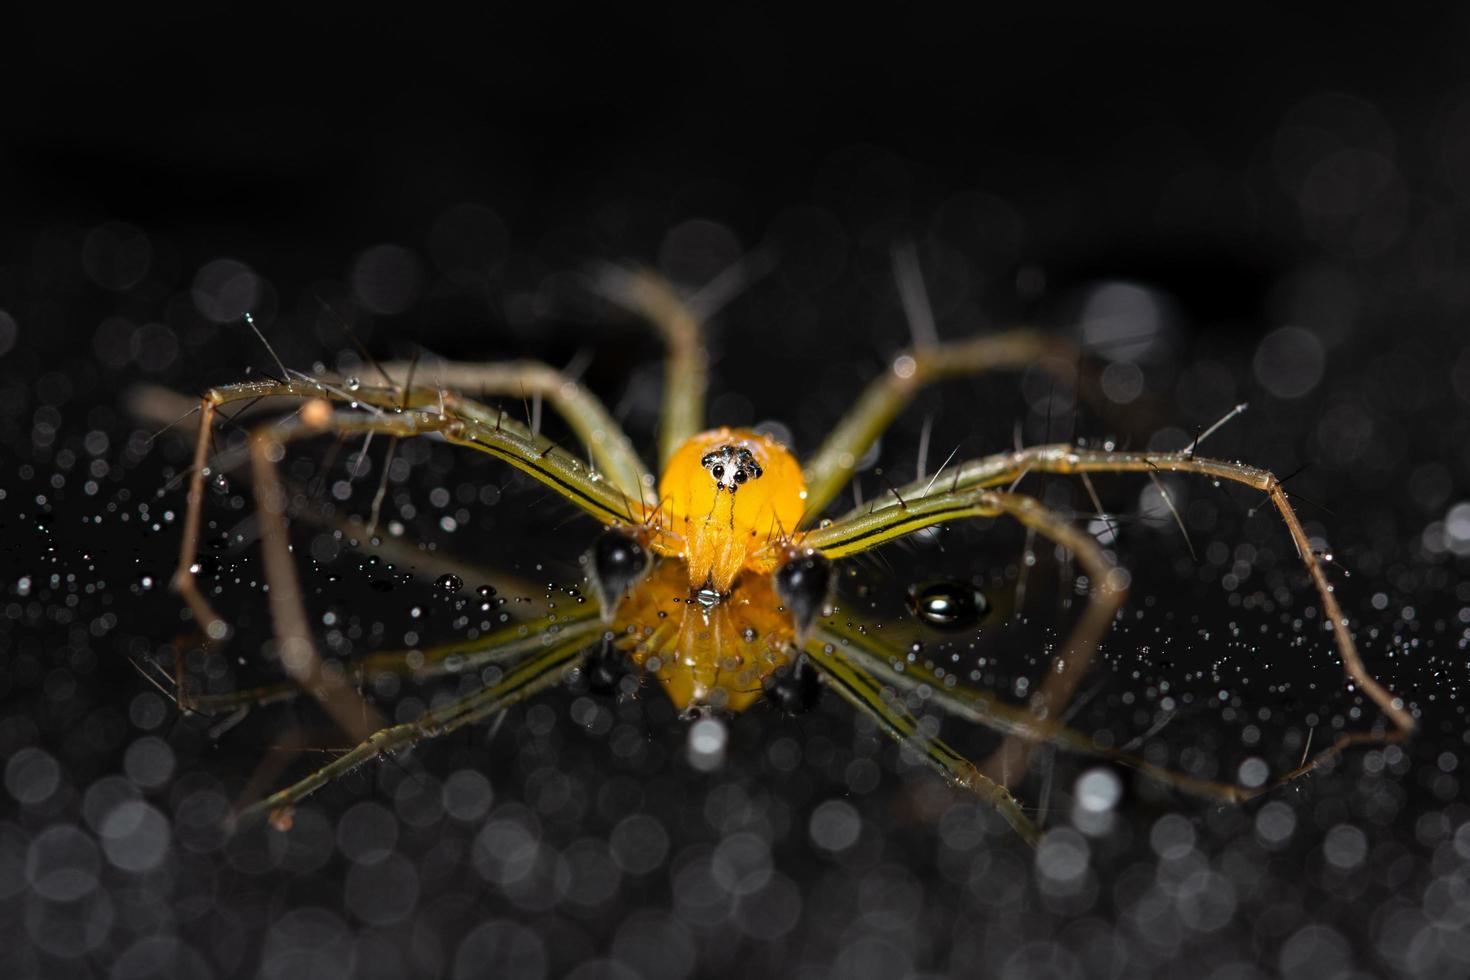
[(353, 384), (948, 605), (485, 591), (449, 583)]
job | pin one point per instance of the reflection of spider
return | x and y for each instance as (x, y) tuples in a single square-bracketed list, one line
[(716, 580)]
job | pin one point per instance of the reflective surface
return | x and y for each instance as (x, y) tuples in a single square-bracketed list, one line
[(1288, 236)]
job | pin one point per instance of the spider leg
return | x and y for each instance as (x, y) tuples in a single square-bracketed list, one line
[(1057, 688), (520, 681), (830, 468), (463, 422), (863, 529), (686, 370), (1012, 720), (507, 644), (1038, 723), (865, 691), (612, 451)]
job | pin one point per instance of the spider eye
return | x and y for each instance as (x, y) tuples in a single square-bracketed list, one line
[(718, 472), (740, 476)]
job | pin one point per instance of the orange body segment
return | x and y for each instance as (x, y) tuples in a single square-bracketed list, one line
[(733, 495), (715, 655)]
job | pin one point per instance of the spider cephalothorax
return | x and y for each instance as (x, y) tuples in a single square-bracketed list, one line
[(716, 533)]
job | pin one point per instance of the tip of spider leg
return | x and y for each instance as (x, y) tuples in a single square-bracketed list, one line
[(615, 563), (803, 583)]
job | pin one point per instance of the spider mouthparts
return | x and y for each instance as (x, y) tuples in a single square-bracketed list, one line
[(802, 584), (615, 563)]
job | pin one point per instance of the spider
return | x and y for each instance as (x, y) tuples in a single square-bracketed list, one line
[(717, 578)]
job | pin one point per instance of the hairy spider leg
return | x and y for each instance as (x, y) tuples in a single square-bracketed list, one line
[(459, 423), (860, 530), (872, 697), (832, 465), (686, 369), (520, 681), (1040, 722), (611, 449), (509, 643), (1059, 685), (476, 426), (882, 659)]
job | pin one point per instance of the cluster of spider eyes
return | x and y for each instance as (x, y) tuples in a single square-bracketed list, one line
[(731, 467)]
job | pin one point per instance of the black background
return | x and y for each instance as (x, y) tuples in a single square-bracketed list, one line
[(1252, 167)]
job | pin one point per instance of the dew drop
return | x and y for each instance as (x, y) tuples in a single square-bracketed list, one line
[(948, 605), (449, 583)]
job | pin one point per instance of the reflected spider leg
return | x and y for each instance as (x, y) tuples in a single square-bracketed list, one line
[(511, 642), (871, 696), (883, 660), (1024, 727), (864, 529), (521, 680), (831, 466), (611, 449), (1008, 765)]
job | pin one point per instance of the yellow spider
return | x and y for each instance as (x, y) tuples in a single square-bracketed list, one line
[(716, 579)]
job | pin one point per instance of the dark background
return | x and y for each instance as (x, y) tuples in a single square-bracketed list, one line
[(442, 183)]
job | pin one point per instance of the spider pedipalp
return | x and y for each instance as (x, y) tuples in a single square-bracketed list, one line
[(796, 689), (615, 563), (803, 583)]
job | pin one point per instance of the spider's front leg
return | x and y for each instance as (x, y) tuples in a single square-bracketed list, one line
[(686, 369), (963, 494), (611, 450), (1059, 685)]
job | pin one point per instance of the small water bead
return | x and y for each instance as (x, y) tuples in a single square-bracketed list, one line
[(486, 592), (448, 583), (948, 604)]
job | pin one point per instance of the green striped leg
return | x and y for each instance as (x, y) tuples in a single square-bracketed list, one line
[(831, 467), (505, 645), (611, 450), (1060, 682), (1005, 469), (869, 694), (686, 369), (520, 681), (384, 410), (1012, 720)]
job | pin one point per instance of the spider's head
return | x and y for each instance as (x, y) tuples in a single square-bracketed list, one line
[(729, 495)]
